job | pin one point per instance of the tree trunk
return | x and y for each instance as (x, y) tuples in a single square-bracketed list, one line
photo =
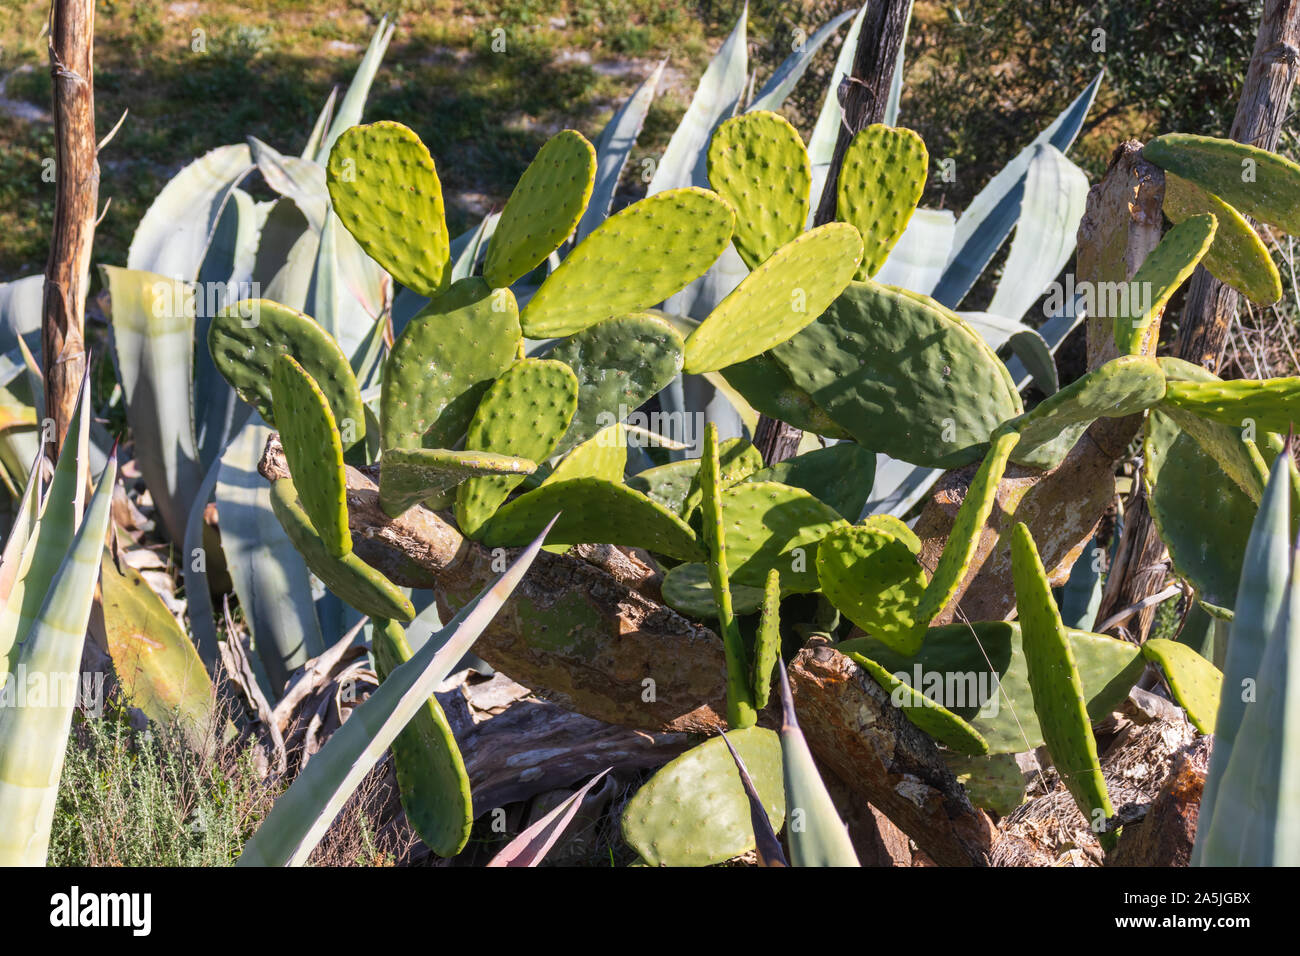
[(63, 355), (863, 94), (1142, 562)]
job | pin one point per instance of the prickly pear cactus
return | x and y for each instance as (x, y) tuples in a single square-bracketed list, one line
[(880, 183), (385, 190), (935, 719), (408, 476), (758, 164), (1195, 682), (1162, 272), (770, 525), (873, 577)]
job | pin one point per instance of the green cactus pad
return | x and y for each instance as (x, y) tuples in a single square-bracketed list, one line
[(967, 527), (544, 208), (686, 588), (1259, 183), (738, 459), (937, 721), (603, 455), (350, 578), (653, 248), (1123, 386), (953, 668), (524, 413), (444, 361), (880, 184), (313, 452), (244, 354), (895, 526), (1195, 682), (668, 485), (840, 476), (1238, 256), (758, 163), (763, 383), (994, 782), (740, 704), (875, 580), (902, 376), (592, 511), (620, 363), (694, 811), (1166, 268), (431, 777), (408, 476), (1203, 517), (789, 290), (385, 190), (1054, 680), (771, 525), (1272, 404), (767, 645)]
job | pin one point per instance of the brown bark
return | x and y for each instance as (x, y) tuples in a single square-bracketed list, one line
[(72, 27), (1142, 562), (1166, 835), (864, 95)]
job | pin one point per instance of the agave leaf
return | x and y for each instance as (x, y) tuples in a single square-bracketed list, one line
[(530, 847), (153, 330), (194, 565), (821, 144), (321, 126), (298, 179), (302, 815), (174, 235), (354, 101), (34, 732), (269, 576), (919, 258), (817, 835), (994, 212), (766, 843), (784, 78)]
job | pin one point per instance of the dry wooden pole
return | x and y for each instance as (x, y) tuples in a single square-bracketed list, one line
[(63, 354)]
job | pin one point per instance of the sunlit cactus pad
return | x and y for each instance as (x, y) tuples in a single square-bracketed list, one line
[(349, 577), (431, 777), (313, 452), (524, 413), (1195, 682), (789, 290), (874, 579), (880, 183), (935, 719), (408, 476), (444, 361), (1238, 256), (632, 261), (758, 163), (771, 525), (902, 376), (385, 190), (245, 339), (1268, 405), (1259, 183), (1167, 267), (544, 208), (694, 812)]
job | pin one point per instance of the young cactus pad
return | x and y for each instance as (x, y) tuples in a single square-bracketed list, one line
[(789, 290), (350, 578), (1237, 256), (444, 361), (408, 476), (654, 248), (771, 525), (880, 184), (313, 452), (902, 376), (385, 190), (875, 580), (525, 413), (1054, 679), (767, 645), (1167, 267), (740, 702), (1259, 183), (544, 208), (935, 719), (245, 340), (620, 363), (431, 777), (758, 163), (1269, 405), (694, 811)]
